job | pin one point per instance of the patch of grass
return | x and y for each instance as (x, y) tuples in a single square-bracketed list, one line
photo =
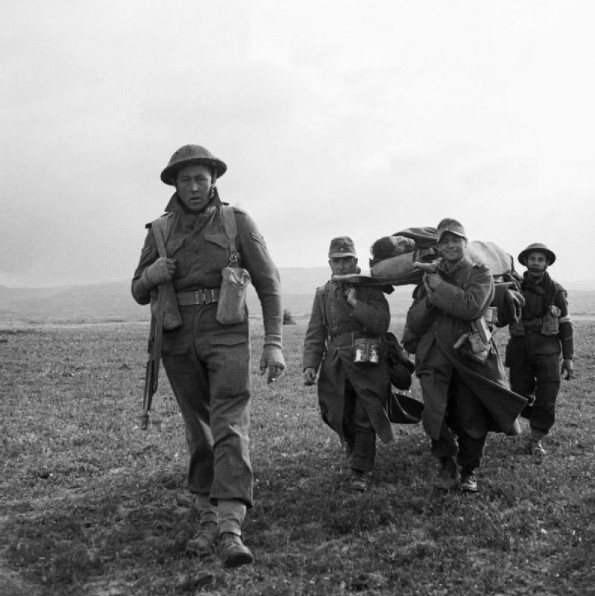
[(91, 504)]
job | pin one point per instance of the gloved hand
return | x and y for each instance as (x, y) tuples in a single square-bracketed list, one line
[(568, 367), (160, 272), (273, 361), (309, 376)]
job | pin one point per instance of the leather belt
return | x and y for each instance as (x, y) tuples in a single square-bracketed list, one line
[(198, 297), (346, 339)]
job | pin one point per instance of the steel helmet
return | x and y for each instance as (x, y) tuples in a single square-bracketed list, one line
[(536, 247), (191, 154)]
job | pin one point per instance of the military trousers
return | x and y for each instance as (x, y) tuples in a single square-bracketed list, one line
[(534, 361), (464, 428), (207, 365), (360, 436)]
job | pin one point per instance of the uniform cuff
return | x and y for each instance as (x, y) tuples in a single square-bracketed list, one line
[(273, 340)]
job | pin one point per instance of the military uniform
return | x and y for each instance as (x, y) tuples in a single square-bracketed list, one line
[(463, 397), (536, 342), (352, 397), (207, 363), (458, 391)]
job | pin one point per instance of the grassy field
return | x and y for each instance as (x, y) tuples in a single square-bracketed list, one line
[(90, 504)]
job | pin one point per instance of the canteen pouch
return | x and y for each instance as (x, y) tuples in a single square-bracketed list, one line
[(231, 308), (550, 324)]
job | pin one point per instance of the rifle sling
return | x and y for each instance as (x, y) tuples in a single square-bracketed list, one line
[(231, 230), (159, 226)]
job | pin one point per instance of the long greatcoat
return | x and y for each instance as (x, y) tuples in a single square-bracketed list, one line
[(333, 326), (466, 291)]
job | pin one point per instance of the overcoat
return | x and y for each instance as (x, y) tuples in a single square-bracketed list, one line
[(328, 345), (466, 291)]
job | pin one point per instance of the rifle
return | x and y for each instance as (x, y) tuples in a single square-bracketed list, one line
[(151, 373), (155, 335)]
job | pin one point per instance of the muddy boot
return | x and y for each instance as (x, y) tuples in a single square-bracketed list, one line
[(361, 481), (535, 447), (233, 552), (468, 481), (202, 544)]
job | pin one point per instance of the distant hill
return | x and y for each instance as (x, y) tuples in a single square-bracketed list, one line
[(112, 301)]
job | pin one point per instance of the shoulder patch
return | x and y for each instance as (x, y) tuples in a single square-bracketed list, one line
[(259, 238)]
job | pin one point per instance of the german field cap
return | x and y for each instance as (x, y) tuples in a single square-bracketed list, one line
[(536, 247), (452, 226), (342, 246), (189, 155)]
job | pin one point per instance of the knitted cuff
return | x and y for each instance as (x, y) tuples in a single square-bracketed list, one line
[(567, 340), (273, 340), (144, 280)]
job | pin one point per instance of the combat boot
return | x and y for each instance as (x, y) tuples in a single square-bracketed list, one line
[(468, 481), (448, 475), (361, 481), (232, 551), (202, 544), (536, 448)]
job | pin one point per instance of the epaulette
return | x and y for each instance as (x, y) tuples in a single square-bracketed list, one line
[(148, 225)]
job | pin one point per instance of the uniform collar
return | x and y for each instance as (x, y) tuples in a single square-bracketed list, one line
[(452, 269), (175, 204)]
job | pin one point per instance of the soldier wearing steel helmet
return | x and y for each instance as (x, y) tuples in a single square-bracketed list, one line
[(536, 342), (207, 362)]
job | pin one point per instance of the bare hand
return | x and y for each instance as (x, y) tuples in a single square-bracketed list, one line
[(351, 296), (432, 280), (309, 376), (272, 361), (567, 367)]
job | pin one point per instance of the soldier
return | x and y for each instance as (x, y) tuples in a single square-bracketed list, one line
[(463, 382), (533, 352), (352, 394), (207, 362)]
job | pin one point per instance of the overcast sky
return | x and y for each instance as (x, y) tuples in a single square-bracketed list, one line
[(334, 117)]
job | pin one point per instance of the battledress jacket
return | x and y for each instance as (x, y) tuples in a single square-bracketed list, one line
[(466, 291), (333, 326), (200, 246)]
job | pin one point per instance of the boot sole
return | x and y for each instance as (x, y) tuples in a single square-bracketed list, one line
[(238, 560)]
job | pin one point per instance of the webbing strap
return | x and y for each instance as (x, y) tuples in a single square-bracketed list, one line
[(231, 229), (159, 227)]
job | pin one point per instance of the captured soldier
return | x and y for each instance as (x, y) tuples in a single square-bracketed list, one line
[(343, 347)]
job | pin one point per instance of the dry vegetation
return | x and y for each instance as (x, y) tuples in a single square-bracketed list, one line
[(93, 505)]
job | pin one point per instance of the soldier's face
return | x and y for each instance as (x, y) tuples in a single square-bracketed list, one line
[(195, 187), (451, 247), (342, 265), (536, 263)]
